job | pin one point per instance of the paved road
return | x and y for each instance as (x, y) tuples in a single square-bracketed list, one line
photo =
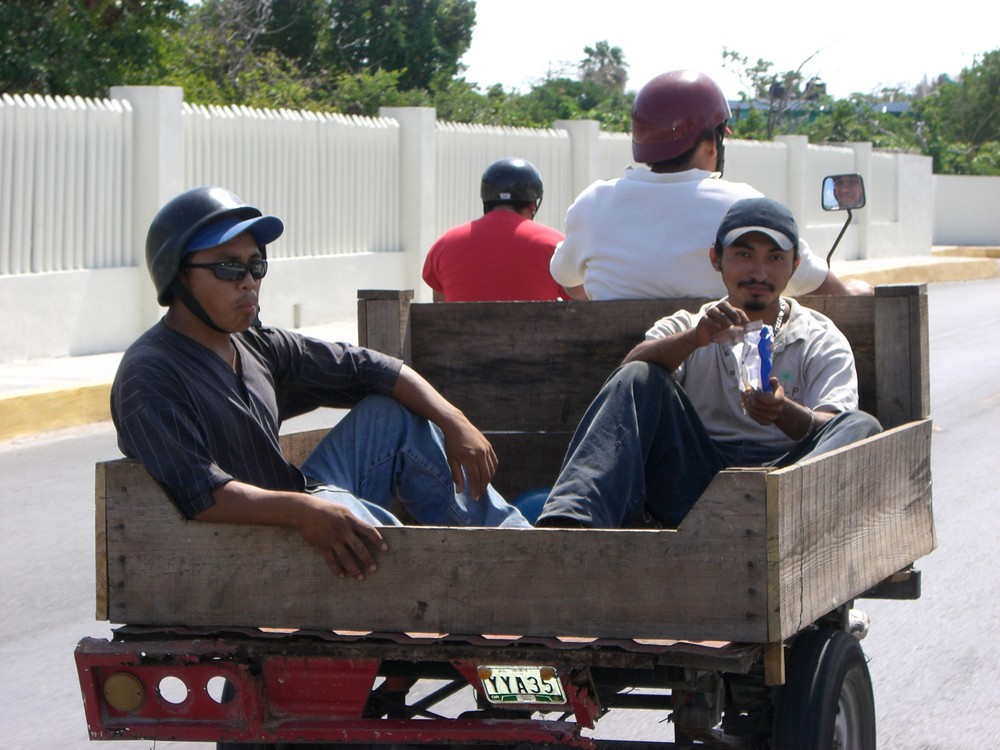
[(934, 661)]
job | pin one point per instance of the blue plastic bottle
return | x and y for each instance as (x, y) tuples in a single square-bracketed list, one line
[(764, 348)]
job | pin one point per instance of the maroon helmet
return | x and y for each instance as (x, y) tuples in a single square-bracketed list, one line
[(672, 112)]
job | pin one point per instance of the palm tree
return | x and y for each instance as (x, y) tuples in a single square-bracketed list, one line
[(605, 66)]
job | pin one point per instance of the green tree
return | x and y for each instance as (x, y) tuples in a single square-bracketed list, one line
[(422, 39), (568, 99), (365, 92), (961, 120), (219, 57), (787, 98), (777, 103), (605, 66), (295, 30), (457, 100), (82, 47)]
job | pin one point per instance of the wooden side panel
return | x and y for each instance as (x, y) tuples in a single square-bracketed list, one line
[(760, 556), (534, 366), (847, 520), (528, 366), (705, 581), (383, 321), (296, 446), (903, 360), (855, 316), (101, 541), (527, 460)]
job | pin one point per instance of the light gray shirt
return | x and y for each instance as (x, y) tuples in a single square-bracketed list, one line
[(812, 360)]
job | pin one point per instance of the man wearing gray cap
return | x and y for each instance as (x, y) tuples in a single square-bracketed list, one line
[(199, 399), (685, 404)]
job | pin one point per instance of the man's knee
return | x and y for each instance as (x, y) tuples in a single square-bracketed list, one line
[(643, 378), (848, 427), (861, 424), (377, 407)]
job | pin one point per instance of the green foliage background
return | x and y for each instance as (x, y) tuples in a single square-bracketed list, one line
[(355, 56)]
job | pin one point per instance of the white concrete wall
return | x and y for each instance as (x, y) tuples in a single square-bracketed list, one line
[(966, 210), (364, 199)]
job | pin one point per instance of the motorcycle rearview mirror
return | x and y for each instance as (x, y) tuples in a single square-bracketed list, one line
[(842, 192)]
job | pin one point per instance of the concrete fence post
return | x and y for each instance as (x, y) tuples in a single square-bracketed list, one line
[(798, 168), (157, 163), (862, 219), (585, 151), (417, 187)]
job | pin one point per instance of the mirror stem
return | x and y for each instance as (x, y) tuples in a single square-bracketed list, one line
[(847, 223)]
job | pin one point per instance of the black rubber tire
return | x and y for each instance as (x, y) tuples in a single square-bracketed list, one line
[(827, 701)]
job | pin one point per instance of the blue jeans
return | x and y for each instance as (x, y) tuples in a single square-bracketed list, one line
[(381, 452), (642, 448)]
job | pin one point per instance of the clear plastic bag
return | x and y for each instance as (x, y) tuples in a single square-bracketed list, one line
[(753, 350)]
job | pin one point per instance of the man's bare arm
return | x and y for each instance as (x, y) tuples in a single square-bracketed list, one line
[(834, 286), (465, 446), (347, 543)]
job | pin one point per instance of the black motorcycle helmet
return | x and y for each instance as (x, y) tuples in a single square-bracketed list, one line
[(182, 220), (511, 181), (177, 222)]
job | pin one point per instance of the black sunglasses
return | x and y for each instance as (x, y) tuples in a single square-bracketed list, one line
[(232, 270)]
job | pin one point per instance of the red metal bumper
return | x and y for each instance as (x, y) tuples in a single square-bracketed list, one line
[(173, 690)]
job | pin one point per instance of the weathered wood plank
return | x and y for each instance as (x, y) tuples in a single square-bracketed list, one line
[(865, 515), (761, 554), (296, 446), (383, 321), (101, 542), (492, 364), (527, 366), (903, 361), (705, 581), (527, 460), (847, 520)]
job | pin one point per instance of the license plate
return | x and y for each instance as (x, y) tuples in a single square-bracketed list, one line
[(521, 685)]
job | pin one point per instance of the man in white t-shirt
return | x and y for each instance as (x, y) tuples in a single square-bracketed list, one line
[(647, 233), (687, 402)]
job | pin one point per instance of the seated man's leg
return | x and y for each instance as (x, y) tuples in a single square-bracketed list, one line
[(639, 446), (844, 429), (382, 452)]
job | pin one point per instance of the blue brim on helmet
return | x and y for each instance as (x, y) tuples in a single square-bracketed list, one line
[(263, 229)]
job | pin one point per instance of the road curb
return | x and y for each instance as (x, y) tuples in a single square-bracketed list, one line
[(45, 409), (939, 268)]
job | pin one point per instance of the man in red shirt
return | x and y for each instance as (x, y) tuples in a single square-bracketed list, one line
[(504, 255)]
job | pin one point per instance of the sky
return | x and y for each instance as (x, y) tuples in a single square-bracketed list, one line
[(863, 48)]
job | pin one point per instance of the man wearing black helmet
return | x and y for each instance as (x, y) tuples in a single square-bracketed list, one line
[(199, 399), (647, 234), (504, 255)]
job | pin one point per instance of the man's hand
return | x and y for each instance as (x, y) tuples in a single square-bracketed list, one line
[(765, 407), (467, 448), (792, 418), (717, 323), (346, 543)]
